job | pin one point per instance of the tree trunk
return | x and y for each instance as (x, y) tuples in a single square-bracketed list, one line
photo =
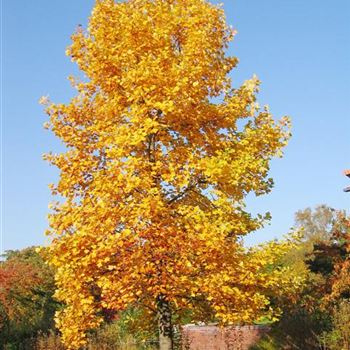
[(165, 325)]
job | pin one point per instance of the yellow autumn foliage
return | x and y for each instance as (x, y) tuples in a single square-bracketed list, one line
[(161, 153)]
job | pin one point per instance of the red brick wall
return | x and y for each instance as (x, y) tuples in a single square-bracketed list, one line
[(216, 338)]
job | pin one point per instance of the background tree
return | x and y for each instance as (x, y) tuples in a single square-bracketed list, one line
[(318, 223), (161, 152), (316, 317), (26, 296), (332, 260)]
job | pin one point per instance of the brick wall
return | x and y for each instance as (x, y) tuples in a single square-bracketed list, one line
[(213, 337)]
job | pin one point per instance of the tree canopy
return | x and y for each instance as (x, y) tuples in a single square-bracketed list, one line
[(161, 153)]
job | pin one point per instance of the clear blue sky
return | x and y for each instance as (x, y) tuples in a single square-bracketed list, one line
[(299, 49)]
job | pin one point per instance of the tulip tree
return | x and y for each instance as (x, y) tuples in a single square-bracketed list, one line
[(161, 153)]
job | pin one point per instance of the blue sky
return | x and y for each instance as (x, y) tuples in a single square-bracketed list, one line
[(299, 49)]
